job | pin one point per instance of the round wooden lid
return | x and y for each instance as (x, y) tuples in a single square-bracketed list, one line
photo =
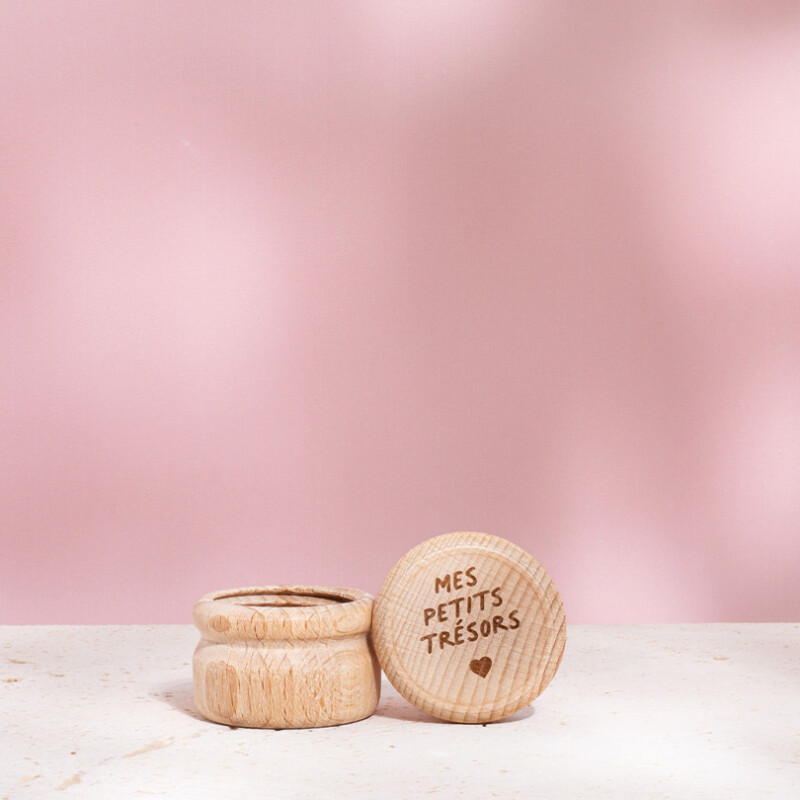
[(469, 627)]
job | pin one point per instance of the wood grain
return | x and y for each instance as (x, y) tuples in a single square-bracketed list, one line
[(285, 657), (469, 627)]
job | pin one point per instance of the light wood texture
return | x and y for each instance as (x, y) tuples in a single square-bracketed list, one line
[(285, 657), (469, 627)]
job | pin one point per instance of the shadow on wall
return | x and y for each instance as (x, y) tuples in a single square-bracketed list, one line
[(288, 291)]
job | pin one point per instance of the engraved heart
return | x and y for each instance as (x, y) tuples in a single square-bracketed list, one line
[(481, 666)]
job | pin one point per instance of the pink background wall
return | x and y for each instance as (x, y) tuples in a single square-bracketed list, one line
[(287, 288)]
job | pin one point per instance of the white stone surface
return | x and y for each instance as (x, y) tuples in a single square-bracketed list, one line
[(650, 711)]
